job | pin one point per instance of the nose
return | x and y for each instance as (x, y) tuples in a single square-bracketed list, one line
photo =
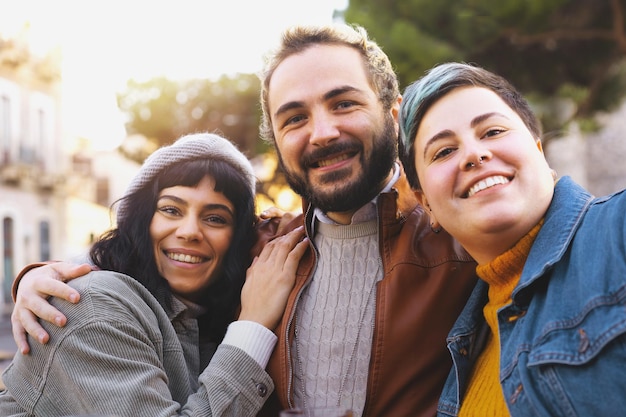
[(323, 129), (189, 230), (474, 156)]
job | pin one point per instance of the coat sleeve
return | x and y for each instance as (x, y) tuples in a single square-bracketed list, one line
[(112, 359)]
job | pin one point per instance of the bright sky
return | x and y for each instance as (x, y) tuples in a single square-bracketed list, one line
[(105, 43)]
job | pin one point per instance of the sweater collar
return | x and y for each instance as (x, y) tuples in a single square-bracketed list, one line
[(393, 206), (503, 273), (368, 211)]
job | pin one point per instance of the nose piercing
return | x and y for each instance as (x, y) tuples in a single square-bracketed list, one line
[(480, 162)]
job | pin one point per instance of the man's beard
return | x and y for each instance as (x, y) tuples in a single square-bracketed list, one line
[(349, 196)]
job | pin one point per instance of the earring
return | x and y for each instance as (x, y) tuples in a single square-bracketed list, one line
[(435, 230)]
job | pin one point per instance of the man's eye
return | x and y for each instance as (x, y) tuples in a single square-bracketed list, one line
[(294, 119), (345, 104)]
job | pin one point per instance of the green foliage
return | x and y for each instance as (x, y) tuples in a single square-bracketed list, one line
[(162, 109), (555, 50)]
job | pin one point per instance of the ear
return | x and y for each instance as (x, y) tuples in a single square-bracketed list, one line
[(539, 145), (434, 223), (395, 113), (422, 199)]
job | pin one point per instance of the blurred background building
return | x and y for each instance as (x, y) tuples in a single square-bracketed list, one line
[(52, 203), (31, 160)]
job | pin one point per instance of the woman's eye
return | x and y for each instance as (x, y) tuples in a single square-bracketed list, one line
[(442, 153), (168, 210), (215, 219), (493, 132)]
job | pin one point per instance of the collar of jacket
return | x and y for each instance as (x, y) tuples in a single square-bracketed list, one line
[(564, 216)]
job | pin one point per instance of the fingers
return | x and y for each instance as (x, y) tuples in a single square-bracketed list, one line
[(285, 218), (271, 213), (50, 280), (28, 307), (293, 259), (284, 222), (36, 302), (31, 302), (270, 279), (31, 327), (278, 249), (19, 335), (63, 271)]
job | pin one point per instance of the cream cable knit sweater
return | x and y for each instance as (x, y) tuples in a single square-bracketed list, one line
[(335, 318)]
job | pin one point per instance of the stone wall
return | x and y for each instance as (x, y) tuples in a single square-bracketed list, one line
[(597, 161)]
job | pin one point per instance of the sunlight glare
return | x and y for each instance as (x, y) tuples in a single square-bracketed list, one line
[(106, 43)]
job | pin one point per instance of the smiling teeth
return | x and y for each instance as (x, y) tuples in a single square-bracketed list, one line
[(184, 258), (327, 162), (486, 183)]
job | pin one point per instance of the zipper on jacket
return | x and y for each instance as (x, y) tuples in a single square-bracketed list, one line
[(309, 232)]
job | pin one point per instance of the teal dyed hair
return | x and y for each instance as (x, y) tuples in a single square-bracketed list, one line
[(440, 80)]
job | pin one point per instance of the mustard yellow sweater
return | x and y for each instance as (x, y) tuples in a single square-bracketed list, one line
[(484, 396)]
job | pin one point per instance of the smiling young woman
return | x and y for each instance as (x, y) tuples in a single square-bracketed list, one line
[(152, 332), (191, 231), (482, 172), (544, 329)]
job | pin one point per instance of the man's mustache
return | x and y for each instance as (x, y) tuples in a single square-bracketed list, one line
[(316, 155)]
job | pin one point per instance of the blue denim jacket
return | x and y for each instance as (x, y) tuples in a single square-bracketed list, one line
[(563, 338)]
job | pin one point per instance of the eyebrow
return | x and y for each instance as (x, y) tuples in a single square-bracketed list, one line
[(481, 118), (210, 206), (447, 132), (327, 96)]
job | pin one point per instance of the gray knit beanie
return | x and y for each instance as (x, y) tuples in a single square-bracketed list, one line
[(187, 148)]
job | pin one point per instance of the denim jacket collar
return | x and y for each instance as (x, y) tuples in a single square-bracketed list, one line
[(566, 211)]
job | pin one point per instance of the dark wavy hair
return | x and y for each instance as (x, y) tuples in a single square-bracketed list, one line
[(128, 247)]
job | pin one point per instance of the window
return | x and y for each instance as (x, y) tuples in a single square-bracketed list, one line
[(40, 136), (5, 129), (8, 257), (44, 240)]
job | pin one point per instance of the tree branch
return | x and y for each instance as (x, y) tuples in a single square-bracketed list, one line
[(616, 33), (618, 25)]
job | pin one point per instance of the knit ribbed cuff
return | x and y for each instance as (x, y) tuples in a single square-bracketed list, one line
[(253, 338)]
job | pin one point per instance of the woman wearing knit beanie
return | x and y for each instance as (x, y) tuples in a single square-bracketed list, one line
[(544, 332), (151, 334)]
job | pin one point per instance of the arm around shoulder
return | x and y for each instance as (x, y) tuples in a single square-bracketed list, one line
[(18, 278)]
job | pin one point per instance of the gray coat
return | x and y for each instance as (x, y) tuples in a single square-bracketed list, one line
[(122, 354)]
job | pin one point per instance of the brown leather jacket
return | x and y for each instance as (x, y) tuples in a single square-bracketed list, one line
[(427, 280)]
